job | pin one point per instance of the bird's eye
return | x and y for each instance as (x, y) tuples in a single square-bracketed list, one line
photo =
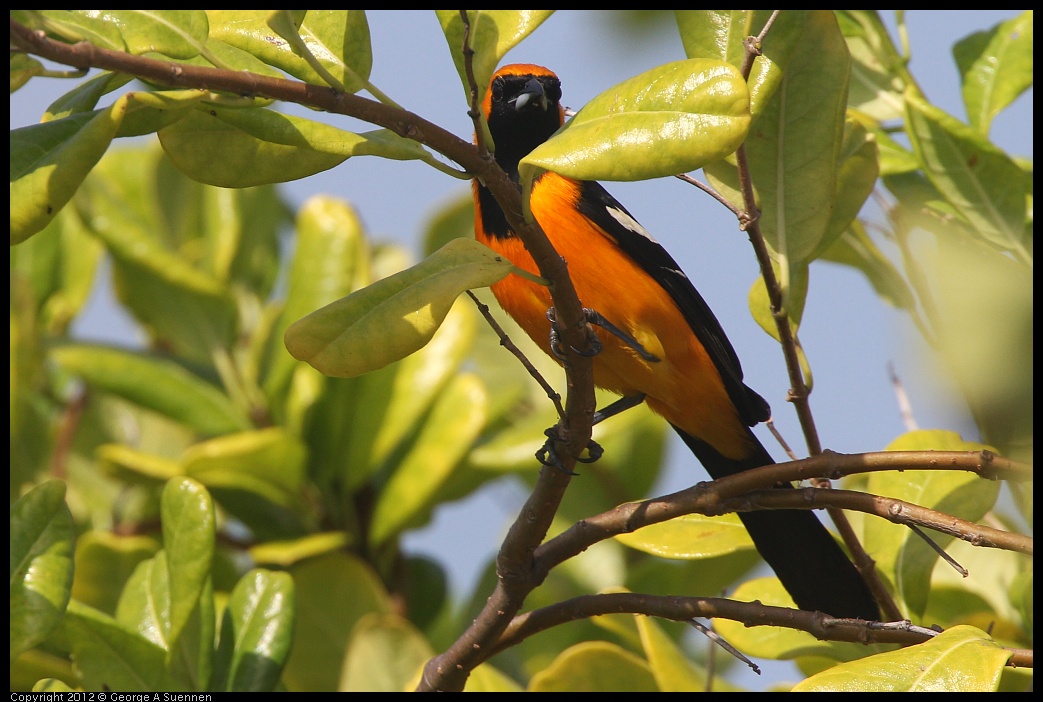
[(553, 90), (497, 88)]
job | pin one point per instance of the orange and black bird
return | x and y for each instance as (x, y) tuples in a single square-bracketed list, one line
[(660, 341)]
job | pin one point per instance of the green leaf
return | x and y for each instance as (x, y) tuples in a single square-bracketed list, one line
[(385, 654), (236, 148), (24, 67), (50, 161), (155, 383), (41, 564), (878, 72), (978, 179), (855, 248), (104, 563), (456, 420), (393, 317), (794, 146), (134, 466), (256, 633), (184, 308), (333, 592), (690, 536), (59, 268), (286, 553), (902, 555), (268, 462), (595, 666), (492, 34), (179, 34), (856, 178), (995, 67), (962, 659), (339, 39), (721, 35), (331, 260), (112, 657), (669, 120), (81, 26), (189, 529), (672, 669), (779, 643)]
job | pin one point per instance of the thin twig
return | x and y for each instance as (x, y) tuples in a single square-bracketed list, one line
[(716, 638), (505, 341)]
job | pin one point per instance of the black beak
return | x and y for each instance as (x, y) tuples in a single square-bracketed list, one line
[(532, 92)]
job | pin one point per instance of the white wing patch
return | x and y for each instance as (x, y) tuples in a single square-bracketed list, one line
[(629, 222)]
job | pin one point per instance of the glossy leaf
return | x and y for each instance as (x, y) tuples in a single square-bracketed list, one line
[(179, 34), (393, 317), (595, 666), (80, 26), (155, 383), (492, 34), (455, 421), (669, 120), (50, 161), (256, 633), (384, 655), (41, 564), (902, 555), (333, 592), (690, 536), (188, 538), (721, 35), (978, 179), (962, 659), (339, 39), (996, 68), (113, 657)]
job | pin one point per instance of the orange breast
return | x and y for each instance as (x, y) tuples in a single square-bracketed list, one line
[(684, 385)]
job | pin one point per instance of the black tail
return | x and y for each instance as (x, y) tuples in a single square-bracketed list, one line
[(809, 562)]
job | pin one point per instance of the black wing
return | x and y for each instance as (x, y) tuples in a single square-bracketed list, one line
[(597, 204)]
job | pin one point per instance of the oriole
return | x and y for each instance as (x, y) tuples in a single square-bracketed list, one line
[(688, 371)]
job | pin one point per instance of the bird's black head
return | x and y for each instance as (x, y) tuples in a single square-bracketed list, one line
[(523, 107)]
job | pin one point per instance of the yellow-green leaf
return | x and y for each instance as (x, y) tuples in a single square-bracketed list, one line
[(595, 666), (455, 421), (49, 162), (903, 556), (492, 34), (339, 40), (962, 659), (996, 68), (668, 120), (977, 178), (690, 536), (395, 316), (385, 654)]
